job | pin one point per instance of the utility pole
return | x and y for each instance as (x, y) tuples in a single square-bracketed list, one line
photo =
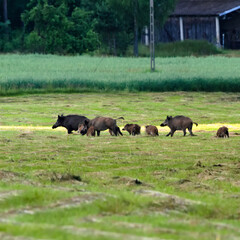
[(5, 13), (152, 49)]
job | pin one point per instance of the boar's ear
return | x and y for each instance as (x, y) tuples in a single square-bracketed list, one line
[(168, 117)]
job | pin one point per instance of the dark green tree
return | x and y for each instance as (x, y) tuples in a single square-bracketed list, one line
[(137, 11), (55, 27)]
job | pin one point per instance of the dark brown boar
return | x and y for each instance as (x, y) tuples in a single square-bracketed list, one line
[(179, 123), (101, 124), (151, 130), (133, 129), (222, 132)]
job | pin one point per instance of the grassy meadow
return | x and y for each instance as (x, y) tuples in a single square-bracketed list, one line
[(47, 73), (67, 187)]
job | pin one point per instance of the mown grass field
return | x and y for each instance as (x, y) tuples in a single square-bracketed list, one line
[(59, 186), (47, 73)]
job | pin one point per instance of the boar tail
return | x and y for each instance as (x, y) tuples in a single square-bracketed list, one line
[(195, 123), (120, 118)]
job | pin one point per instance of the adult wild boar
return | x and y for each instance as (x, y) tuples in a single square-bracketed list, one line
[(151, 130), (70, 122), (101, 124), (178, 123), (223, 132), (133, 129)]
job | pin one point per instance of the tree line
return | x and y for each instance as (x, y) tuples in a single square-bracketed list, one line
[(76, 26)]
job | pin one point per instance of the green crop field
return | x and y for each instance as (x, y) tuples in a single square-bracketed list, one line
[(47, 73), (58, 186)]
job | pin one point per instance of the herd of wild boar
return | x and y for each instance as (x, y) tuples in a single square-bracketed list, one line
[(86, 126)]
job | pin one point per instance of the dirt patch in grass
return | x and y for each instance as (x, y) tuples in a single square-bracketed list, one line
[(7, 194), (59, 177), (128, 181), (9, 176), (104, 234), (26, 135), (64, 203), (168, 201), (11, 237)]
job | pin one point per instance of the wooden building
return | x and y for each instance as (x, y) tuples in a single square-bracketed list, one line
[(217, 21)]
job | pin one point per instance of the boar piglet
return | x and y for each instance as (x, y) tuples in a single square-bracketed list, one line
[(222, 132), (133, 129), (178, 123), (70, 122), (90, 131), (101, 124), (151, 130)]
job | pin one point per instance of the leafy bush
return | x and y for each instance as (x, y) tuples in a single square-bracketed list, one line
[(49, 29), (10, 40)]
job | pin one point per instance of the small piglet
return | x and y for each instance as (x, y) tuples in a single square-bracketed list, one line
[(151, 130), (133, 129), (90, 131), (222, 132)]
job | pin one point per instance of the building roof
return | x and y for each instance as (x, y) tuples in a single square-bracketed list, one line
[(205, 7)]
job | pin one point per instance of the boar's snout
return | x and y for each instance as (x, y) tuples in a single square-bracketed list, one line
[(54, 126), (163, 124)]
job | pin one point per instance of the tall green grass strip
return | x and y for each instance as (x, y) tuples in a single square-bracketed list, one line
[(21, 74)]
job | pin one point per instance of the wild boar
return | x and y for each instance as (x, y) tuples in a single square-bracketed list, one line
[(91, 132), (151, 130), (101, 124), (222, 132), (70, 122), (133, 129), (178, 123)]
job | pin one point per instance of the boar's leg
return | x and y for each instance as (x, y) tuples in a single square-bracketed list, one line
[(184, 132), (119, 131), (190, 131), (69, 131), (227, 133), (98, 133), (115, 130), (168, 134), (172, 132)]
